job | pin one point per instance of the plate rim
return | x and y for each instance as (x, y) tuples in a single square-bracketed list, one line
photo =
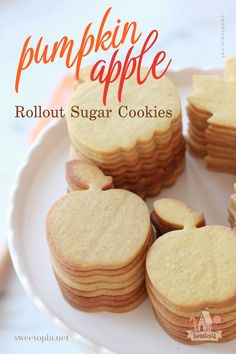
[(23, 278)]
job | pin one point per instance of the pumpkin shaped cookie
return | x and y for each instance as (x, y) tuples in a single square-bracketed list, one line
[(140, 139), (212, 118)]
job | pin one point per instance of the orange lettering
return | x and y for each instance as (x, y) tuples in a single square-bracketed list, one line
[(100, 37), (102, 40), (126, 30), (87, 39), (66, 45), (27, 53)]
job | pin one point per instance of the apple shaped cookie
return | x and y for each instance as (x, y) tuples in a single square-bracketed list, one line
[(98, 240), (191, 275)]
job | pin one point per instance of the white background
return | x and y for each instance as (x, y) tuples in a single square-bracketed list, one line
[(190, 32)]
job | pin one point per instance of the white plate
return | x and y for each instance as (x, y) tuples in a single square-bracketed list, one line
[(40, 182)]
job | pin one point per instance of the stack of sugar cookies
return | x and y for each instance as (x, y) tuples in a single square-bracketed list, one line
[(212, 119), (98, 239), (191, 276), (232, 209), (138, 142)]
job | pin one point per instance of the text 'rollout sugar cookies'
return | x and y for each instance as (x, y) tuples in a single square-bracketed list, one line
[(191, 275), (98, 239), (142, 152), (212, 119)]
